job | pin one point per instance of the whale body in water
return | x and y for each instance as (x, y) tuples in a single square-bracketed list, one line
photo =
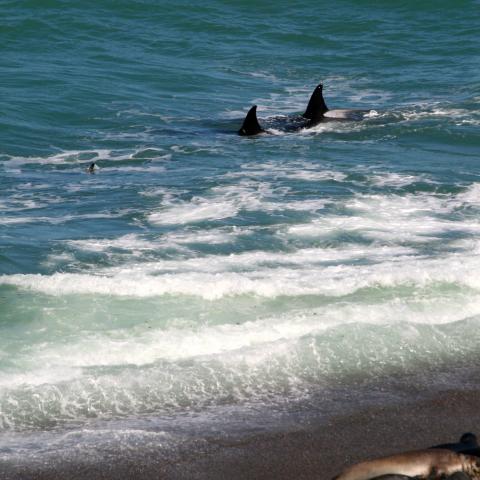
[(316, 112)]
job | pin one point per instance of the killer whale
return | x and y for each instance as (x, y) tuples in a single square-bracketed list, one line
[(315, 113), (250, 124)]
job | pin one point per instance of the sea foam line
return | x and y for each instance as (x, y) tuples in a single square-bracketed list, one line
[(145, 280)]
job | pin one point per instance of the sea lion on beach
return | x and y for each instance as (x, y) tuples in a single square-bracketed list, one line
[(467, 444), (316, 112), (454, 476), (392, 476), (426, 464)]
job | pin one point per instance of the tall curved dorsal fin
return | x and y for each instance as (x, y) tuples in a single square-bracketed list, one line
[(316, 106), (250, 124)]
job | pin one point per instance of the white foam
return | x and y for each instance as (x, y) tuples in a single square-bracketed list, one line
[(195, 211), (300, 170), (388, 220), (125, 242), (59, 220), (21, 202), (213, 236), (418, 217), (167, 193), (34, 186), (227, 201), (266, 75), (58, 258), (427, 110), (270, 275), (20, 220), (204, 364), (138, 245), (35, 375), (93, 350), (75, 157), (392, 179), (471, 196), (368, 96), (141, 168), (315, 175), (66, 157), (230, 345)]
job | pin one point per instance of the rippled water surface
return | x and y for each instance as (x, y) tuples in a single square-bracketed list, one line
[(198, 273)]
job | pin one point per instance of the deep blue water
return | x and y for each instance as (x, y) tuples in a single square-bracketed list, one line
[(199, 271)]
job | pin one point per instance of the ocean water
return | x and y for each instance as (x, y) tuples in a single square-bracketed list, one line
[(201, 281)]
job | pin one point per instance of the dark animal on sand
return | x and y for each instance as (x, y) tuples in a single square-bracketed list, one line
[(454, 476), (467, 444), (316, 112), (430, 464)]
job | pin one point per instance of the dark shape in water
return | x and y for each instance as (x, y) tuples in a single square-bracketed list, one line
[(250, 124), (316, 112), (91, 168), (316, 107)]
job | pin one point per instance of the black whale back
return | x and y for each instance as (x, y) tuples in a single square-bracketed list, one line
[(316, 106), (250, 124)]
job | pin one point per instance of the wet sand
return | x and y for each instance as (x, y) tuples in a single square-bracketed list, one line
[(318, 451)]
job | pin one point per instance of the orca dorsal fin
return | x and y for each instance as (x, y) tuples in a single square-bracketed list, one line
[(250, 124), (316, 106)]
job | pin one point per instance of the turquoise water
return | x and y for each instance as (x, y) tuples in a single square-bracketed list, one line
[(197, 273)]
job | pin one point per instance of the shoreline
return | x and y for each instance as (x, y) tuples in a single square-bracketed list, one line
[(317, 451)]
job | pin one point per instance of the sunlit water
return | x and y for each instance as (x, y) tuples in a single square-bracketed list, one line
[(198, 274)]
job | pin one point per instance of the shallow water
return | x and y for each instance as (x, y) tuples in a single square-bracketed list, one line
[(198, 274)]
